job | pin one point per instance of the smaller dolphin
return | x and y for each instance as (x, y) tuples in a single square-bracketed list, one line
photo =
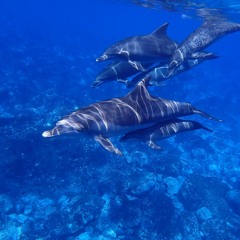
[(163, 130), (160, 74), (147, 48), (210, 31), (117, 71)]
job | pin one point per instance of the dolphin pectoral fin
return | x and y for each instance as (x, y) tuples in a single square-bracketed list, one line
[(123, 81), (203, 56), (153, 145), (107, 144), (206, 115), (137, 65), (96, 83)]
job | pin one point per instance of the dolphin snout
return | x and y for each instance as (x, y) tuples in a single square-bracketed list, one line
[(102, 58), (47, 134)]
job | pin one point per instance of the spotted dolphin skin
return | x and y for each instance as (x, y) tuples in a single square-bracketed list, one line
[(210, 31), (138, 49), (121, 115), (163, 130)]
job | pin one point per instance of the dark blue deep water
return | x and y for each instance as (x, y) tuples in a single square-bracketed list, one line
[(69, 187)]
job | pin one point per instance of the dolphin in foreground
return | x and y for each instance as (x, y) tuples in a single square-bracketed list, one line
[(117, 116), (147, 48), (162, 130), (160, 74), (210, 31)]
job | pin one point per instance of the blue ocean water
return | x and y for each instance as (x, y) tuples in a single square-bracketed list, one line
[(70, 187)]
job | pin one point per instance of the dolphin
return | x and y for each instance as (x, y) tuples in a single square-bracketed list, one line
[(147, 48), (159, 74), (210, 31), (116, 116), (117, 71), (159, 131), (120, 71)]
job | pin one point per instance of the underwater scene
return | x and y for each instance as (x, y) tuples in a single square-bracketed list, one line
[(120, 120)]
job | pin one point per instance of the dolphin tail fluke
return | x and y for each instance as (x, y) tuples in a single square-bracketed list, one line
[(107, 144), (206, 115)]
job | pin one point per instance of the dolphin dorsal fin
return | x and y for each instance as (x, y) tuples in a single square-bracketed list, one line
[(161, 31), (139, 90)]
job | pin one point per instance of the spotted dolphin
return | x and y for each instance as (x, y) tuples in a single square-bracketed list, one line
[(147, 48), (117, 116), (210, 31), (159, 131)]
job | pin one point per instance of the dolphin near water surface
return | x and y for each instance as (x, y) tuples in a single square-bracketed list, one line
[(138, 49)]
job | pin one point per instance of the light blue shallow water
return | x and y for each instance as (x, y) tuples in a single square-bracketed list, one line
[(70, 187)]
